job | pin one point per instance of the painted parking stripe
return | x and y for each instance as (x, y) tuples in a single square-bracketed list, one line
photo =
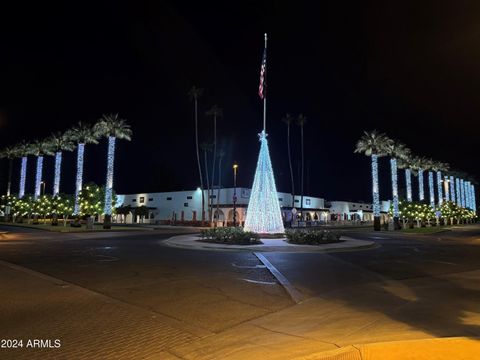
[(289, 288)]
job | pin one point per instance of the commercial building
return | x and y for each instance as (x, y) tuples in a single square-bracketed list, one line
[(185, 207)]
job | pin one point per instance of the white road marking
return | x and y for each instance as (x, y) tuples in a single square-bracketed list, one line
[(260, 282), (290, 289)]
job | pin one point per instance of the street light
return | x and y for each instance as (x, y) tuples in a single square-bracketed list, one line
[(235, 167)]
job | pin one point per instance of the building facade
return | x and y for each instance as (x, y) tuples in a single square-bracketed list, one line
[(186, 206)]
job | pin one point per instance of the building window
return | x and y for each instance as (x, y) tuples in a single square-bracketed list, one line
[(307, 201), (280, 199), (134, 200), (362, 206), (169, 198), (150, 199), (189, 198), (297, 201), (354, 205), (142, 199), (185, 204), (213, 196)]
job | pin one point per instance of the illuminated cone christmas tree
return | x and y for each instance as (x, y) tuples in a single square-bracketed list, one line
[(263, 213)]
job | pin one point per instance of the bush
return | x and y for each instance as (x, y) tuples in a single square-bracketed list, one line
[(312, 237), (230, 235)]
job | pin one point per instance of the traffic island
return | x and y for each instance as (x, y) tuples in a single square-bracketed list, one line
[(194, 242)]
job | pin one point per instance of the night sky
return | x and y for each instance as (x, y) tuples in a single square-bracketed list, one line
[(412, 71)]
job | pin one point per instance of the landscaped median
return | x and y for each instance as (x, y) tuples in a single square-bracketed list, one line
[(295, 241)]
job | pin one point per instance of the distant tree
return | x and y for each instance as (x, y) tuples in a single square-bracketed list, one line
[(92, 200), (301, 121), (194, 94), (215, 112), (288, 119), (206, 147), (9, 153), (142, 212), (124, 210)]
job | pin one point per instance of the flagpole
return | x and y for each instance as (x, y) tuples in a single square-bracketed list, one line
[(265, 96)]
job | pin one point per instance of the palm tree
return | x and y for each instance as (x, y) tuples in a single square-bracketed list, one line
[(301, 121), (396, 150), (374, 144), (221, 155), (9, 153), (60, 142), (82, 134), (40, 148), (406, 163), (429, 165), (113, 127), (194, 94), (215, 112), (439, 167), (418, 164), (206, 147), (23, 150), (287, 119)]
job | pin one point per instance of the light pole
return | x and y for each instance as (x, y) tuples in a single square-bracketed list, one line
[(42, 184), (235, 167)]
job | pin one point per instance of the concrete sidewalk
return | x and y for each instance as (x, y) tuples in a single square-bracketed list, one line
[(276, 245), (386, 311), (89, 325)]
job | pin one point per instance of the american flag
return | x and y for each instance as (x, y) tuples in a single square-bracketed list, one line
[(262, 88)]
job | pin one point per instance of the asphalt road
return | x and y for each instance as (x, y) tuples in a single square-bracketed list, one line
[(217, 290)]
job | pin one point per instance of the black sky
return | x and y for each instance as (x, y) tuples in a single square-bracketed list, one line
[(410, 69)]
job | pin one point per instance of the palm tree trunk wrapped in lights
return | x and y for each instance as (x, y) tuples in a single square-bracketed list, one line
[(458, 191), (40, 148), (79, 178), (408, 180), (81, 134), (462, 193), (263, 213), (375, 187), (421, 191), (474, 199), (38, 177), (59, 142), (23, 176), (439, 188), (58, 169), (452, 189), (393, 165), (431, 191), (374, 144), (113, 128), (446, 181), (109, 181), (397, 150)]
